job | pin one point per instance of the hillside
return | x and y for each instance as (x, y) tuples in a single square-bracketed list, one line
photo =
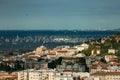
[(103, 46)]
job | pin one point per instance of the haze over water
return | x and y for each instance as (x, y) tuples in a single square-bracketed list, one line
[(29, 40)]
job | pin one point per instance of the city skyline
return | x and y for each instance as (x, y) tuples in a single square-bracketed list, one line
[(59, 14)]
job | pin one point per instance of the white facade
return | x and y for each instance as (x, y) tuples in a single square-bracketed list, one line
[(111, 51), (49, 75), (70, 75), (106, 76), (82, 47), (85, 45), (110, 57), (36, 75)]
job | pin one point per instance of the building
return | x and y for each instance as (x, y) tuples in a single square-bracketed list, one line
[(96, 68), (32, 74), (100, 67), (62, 53), (36, 65), (109, 58), (51, 55), (113, 51), (71, 75), (71, 64), (81, 47), (7, 76), (106, 76)]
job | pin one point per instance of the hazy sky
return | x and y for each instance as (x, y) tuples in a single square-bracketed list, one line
[(59, 14)]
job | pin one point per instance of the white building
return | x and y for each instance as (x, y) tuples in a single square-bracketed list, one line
[(109, 58), (70, 75), (32, 74), (106, 76), (82, 47), (111, 51)]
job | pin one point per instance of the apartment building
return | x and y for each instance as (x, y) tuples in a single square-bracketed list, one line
[(71, 63), (70, 75), (50, 74), (32, 74), (106, 76)]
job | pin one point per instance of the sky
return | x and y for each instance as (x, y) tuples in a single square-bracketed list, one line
[(59, 14)]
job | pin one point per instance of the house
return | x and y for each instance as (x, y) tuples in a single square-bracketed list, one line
[(109, 58), (113, 51), (62, 53), (96, 68), (51, 55)]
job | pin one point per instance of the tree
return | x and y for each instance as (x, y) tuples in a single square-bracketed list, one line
[(9, 79), (88, 51), (54, 63)]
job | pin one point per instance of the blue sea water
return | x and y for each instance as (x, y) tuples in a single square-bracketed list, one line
[(29, 40)]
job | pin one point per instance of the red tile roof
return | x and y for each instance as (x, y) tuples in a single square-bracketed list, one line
[(113, 73), (34, 57), (103, 67), (98, 73), (105, 73), (8, 76), (71, 70), (62, 51)]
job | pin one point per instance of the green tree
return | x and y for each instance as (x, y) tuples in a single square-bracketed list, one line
[(88, 51), (54, 63)]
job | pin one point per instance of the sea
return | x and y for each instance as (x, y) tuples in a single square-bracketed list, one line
[(16, 40)]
